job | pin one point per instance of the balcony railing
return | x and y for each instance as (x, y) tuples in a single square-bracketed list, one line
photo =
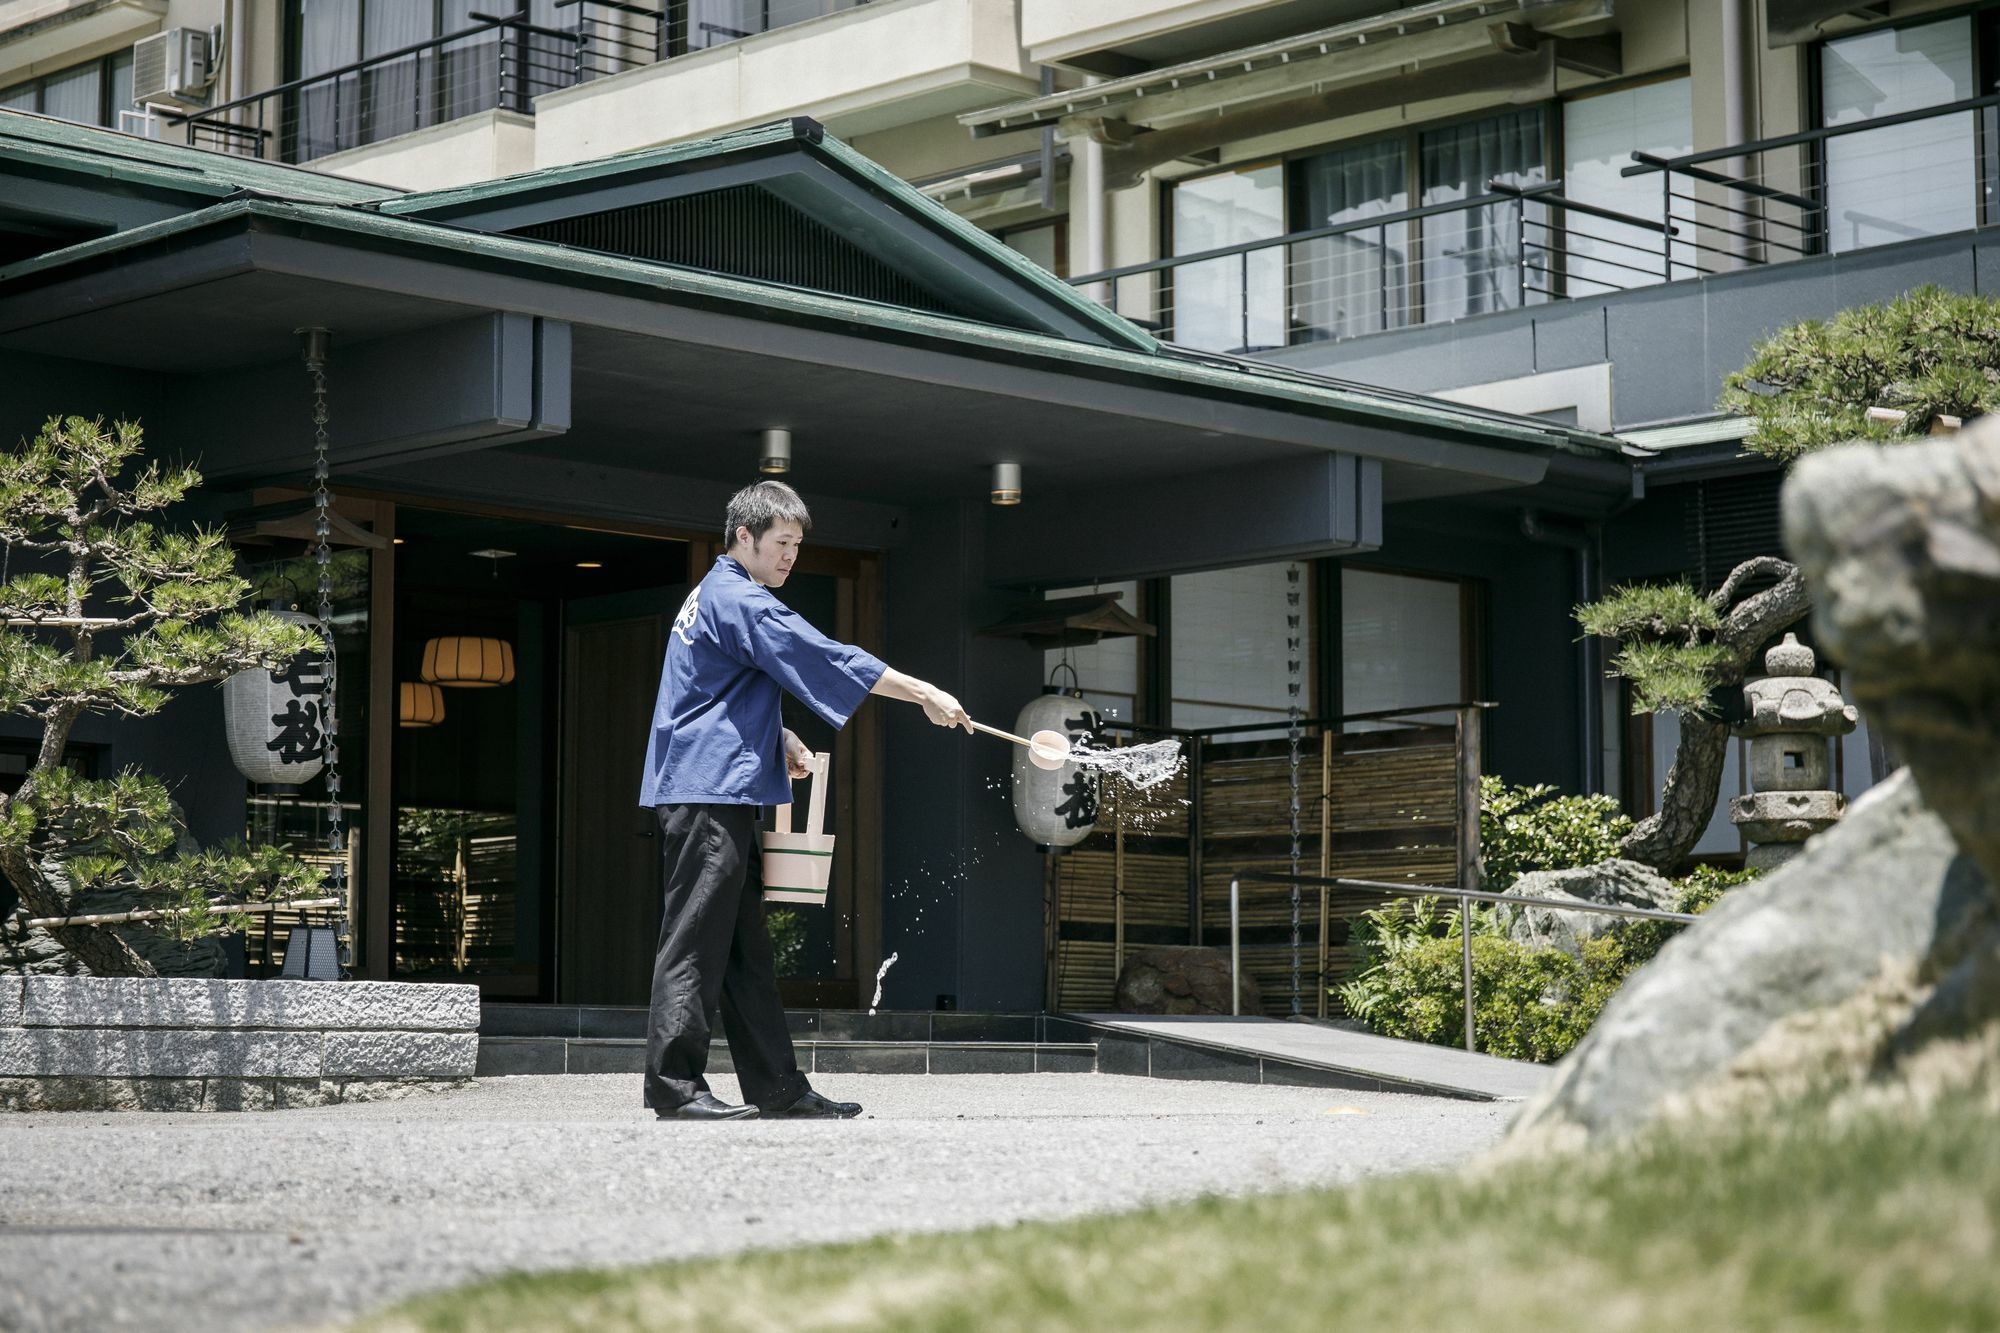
[(1871, 182), (497, 63), (500, 61), (616, 35)]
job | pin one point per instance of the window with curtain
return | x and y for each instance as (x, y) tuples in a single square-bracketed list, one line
[(1472, 258), (1235, 303), (92, 93), (1600, 134), (1106, 671), (1401, 641), (1358, 281), (1908, 180), (1227, 659)]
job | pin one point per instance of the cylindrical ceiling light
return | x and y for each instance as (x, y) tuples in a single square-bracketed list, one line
[(775, 455), (468, 662), (1006, 487), (419, 704)]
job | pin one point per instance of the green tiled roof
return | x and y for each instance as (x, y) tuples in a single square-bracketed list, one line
[(62, 145), (1275, 386)]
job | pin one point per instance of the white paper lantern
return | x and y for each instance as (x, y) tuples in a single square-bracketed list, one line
[(278, 722), (1055, 807)]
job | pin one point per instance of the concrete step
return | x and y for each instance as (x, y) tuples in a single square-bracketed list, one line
[(605, 1021), (500, 1055)]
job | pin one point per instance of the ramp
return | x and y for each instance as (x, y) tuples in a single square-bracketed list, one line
[(1267, 1050)]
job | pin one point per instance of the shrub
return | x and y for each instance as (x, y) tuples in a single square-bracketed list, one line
[(1524, 829), (1528, 1003)]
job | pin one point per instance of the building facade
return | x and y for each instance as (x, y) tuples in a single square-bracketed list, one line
[(1562, 221)]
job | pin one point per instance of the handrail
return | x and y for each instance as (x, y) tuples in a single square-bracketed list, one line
[(1391, 890), (1550, 192), (491, 23), (1647, 163)]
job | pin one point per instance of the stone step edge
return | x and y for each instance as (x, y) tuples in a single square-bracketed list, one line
[(1053, 1047), (1391, 1082)]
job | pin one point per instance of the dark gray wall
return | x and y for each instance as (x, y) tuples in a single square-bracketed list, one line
[(963, 897), (1531, 663), (1669, 346)]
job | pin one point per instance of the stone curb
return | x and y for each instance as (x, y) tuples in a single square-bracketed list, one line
[(204, 1003)]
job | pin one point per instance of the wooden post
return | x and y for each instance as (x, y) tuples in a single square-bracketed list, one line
[(1325, 852), (1051, 930), (1466, 760), (1117, 888)]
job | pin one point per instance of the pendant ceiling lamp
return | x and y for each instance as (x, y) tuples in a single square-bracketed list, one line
[(468, 662), (419, 704)]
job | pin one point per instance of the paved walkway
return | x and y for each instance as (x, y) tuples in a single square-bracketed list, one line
[(296, 1218), (1440, 1067)]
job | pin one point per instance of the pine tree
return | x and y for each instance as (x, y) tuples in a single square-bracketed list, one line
[(1923, 362), (113, 614)]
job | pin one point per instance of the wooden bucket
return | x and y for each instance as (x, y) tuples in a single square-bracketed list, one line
[(799, 866)]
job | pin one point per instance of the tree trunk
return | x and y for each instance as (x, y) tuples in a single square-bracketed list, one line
[(1687, 801), (98, 949)]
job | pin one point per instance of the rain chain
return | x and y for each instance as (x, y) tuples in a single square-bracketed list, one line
[(1294, 733), (316, 347)]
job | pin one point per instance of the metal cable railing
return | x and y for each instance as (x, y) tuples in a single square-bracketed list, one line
[(1845, 187), (1505, 248)]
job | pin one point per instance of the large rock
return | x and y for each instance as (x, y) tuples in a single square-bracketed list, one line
[(1901, 545), (1876, 893), (1875, 953), (1180, 979), (1608, 883)]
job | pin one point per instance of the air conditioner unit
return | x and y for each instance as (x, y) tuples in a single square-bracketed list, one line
[(172, 68)]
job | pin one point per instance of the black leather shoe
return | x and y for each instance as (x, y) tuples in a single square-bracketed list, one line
[(706, 1107), (812, 1106)]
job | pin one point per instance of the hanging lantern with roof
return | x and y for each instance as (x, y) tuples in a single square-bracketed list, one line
[(1058, 808)]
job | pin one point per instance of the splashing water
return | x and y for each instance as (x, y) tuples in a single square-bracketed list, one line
[(1140, 766), (881, 972)]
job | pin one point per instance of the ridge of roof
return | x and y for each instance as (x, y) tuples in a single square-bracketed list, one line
[(1291, 389), (810, 136), (542, 180), (116, 155)]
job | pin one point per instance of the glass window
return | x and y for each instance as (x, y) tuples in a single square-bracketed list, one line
[(393, 93), (21, 97), (327, 115), (76, 94), (1107, 671), (1472, 259), (1400, 641), (1901, 181), (121, 85), (1044, 243), (1600, 134), (1236, 303), (1358, 281), (1227, 660)]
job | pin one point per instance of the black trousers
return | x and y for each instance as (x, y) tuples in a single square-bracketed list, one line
[(715, 957)]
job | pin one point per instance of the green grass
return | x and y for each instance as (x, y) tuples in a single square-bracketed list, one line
[(1883, 1222)]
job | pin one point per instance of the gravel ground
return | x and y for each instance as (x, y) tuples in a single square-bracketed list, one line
[(307, 1217)]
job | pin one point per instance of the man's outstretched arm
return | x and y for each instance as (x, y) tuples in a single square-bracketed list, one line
[(938, 706)]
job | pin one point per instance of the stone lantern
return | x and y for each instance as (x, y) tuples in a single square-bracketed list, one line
[(1791, 716)]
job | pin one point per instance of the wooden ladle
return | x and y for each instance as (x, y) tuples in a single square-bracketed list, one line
[(1046, 749)]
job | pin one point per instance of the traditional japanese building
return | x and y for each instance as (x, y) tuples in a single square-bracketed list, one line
[(1349, 346)]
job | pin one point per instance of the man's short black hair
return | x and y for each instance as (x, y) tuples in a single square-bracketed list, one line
[(759, 506)]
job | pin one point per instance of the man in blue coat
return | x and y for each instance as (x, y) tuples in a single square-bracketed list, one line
[(719, 754)]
